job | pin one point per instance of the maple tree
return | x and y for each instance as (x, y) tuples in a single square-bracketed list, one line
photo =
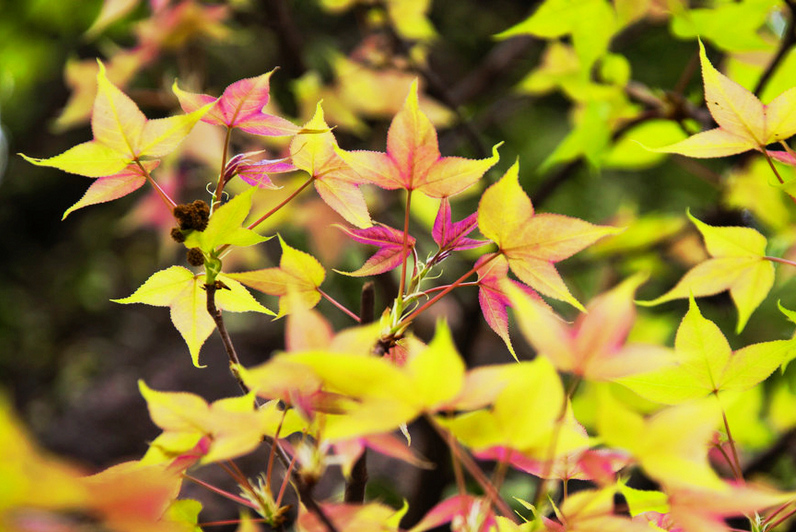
[(598, 388)]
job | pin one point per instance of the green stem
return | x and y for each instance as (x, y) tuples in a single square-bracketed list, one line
[(220, 185)]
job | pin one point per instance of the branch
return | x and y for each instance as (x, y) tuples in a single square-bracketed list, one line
[(355, 487), (215, 313), (787, 43)]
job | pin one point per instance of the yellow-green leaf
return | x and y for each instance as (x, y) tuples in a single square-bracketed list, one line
[(183, 292)]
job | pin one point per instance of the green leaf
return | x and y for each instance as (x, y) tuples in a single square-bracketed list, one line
[(738, 265), (705, 364), (224, 226)]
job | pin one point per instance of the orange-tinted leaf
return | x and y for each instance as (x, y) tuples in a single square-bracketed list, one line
[(240, 106), (413, 160), (533, 243), (114, 186), (335, 181), (594, 347)]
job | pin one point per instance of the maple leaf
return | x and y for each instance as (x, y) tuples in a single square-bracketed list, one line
[(335, 181), (385, 395), (451, 236), (370, 516), (183, 292), (738, 264), (594, 347), (295, 281), (413, 160), (109, 188), (744, 122), (474, 511), (592, 510), (675, 458), (704, 363), (122, 135), (240, 106), (391, 251), (233, 425), (493, 299), (533, 243), (256, 173), (531, 431)]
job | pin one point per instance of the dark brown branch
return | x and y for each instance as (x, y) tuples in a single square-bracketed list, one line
[(291, 42), (787, 43), (355, 487), (215, 313)]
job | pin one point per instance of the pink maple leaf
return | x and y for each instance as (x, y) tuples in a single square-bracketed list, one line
[(391, 251)]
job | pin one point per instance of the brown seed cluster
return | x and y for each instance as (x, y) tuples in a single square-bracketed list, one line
[(192, 215), (196, 257)]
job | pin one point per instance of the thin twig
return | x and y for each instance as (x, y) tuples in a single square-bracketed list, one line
[(215, 313), (787, 42)]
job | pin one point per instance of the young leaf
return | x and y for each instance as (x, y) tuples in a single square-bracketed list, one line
[(675, 458), (335, 181), (183, 292), (122, 134), (296, 280), (738, 264), (391, 251), (453, 236), (533, 243), (224, 226), (705, 364), (594, 347), (240, 106), (114, 186), (531, 430), (413, 160), (744, 122), (234, 426)]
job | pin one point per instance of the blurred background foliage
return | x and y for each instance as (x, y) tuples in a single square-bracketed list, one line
[(564, 104)]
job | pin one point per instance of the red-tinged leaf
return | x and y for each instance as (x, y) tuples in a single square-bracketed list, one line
[(349, 451), (133, 497), (256, 174), (738, 264), (493, 299), (353, 517), (391, 251), (598, 465), (240, 106), (744, 122), (112, 187), (453, 236), (183, 292), (533, 243), (464, 508), (295, 281), (335, 181), (413, 160), (783, 157), (594, 347)]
